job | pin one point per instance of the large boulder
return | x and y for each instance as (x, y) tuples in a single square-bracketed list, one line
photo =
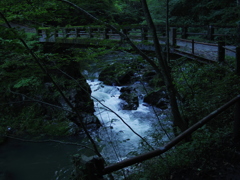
[(78, 93), (130, 97), (116, 74), (157, 98)]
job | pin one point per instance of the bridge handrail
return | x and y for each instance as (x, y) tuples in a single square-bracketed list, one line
[(144, 30)]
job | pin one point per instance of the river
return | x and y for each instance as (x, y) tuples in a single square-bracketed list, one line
[(118, 140), (21, 160)]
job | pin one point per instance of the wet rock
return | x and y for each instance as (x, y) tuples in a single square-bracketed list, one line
[(116, 74), (157, 98), (130, 97)]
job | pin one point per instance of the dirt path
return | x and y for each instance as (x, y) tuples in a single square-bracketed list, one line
[(25, 27), (208, 51)]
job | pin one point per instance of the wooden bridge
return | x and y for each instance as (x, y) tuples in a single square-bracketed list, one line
[(98, 35)]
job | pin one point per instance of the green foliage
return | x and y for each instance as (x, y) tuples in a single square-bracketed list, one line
[(56, 13), (204, 87), (197, 156), (204, 12), (129, 12), (26, 91)]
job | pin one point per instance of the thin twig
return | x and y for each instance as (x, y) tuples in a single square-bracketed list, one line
[(46, 141), (35, 100)]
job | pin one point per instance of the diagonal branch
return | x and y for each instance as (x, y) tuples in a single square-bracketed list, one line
[(80, 123)]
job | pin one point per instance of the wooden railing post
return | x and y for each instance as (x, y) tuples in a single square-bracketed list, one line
[(90, 35), (67, 32), (236, 127), (105, 35), (184, 34), (78, 31), (64, 32), (40, 35), (144, 32), (173, 36), (221, 52), (192, 46), (210, 33), (48, 35), (56, 33), (238, 60)]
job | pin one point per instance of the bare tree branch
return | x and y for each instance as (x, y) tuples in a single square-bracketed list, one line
[(37, 60)]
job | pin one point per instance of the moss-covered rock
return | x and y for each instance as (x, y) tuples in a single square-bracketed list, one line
[(157, 98), (116, 74)]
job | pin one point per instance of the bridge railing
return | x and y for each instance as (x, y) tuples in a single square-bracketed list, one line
[(135, 32)]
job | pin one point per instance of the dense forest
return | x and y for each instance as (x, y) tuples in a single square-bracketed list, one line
[(47, 89)]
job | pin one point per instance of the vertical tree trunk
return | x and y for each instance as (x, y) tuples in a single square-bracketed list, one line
[(165, 70)]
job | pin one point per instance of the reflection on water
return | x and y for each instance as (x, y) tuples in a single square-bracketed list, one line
[(35, 161)]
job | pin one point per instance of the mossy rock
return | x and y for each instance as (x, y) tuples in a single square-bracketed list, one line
[(116, 74), (157, 98)]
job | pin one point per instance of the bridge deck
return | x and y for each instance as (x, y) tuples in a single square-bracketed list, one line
[(202, 51)]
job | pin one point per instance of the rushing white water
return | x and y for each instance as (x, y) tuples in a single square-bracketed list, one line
[(117, 138)]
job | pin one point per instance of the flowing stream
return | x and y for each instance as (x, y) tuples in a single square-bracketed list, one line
[(117, 139)]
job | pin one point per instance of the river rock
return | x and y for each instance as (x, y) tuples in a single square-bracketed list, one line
[(116, 74), (130, 97), (157, 98), (78, 93)]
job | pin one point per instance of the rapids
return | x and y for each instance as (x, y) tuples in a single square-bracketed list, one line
[(118, 141)]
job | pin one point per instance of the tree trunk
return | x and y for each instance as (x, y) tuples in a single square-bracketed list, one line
[(165, 70)]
